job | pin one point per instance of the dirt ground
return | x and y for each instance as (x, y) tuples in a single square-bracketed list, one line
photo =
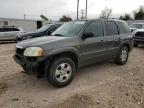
[(104, 85)]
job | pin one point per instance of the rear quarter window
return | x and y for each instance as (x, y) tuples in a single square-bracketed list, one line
[(111, 28), (124, 28), (16, 29)]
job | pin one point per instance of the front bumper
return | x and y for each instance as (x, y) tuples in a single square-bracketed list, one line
[(30, 65), (139, 41)]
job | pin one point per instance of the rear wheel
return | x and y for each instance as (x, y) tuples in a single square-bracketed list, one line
[(122, 56), (61, 72)]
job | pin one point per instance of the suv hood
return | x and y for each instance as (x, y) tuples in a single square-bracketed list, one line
[(40, 41)]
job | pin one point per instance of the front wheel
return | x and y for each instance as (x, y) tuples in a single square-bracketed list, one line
[(62, 71), (122, 56)]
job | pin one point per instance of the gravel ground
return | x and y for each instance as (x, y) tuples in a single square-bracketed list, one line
[(104, 85)]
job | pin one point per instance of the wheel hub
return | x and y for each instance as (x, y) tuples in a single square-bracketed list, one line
[(63, 72), (123, 55)]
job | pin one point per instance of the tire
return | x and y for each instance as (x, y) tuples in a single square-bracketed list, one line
[(122, 56), (61, 72)]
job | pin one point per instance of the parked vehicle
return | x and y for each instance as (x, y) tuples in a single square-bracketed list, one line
[(73, 45), (133, 29), (8, 33), (43, 31), (138, 37), (138, 25)]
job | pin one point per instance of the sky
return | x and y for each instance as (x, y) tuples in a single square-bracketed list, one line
[(54, 9)]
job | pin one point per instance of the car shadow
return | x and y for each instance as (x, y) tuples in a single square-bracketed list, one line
[(7, 42), (33, 82)]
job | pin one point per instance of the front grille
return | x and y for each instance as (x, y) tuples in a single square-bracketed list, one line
[(19, 51), (139, 34)]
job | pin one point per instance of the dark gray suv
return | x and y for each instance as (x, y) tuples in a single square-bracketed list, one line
[(73, 45)]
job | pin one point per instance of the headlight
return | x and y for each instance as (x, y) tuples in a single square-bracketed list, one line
[(33, 52)]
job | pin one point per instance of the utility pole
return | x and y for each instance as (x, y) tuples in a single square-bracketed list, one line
[(77, 9), (82, 14), (86, 9), (24, 16)]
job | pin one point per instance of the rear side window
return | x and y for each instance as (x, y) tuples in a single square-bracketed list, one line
[(10, 29), (6, 29), (124, 28), (1, 30), (111, 28), (96, 28)]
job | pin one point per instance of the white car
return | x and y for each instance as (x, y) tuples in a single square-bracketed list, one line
[(138, 37), (8, 33), (138, 25)]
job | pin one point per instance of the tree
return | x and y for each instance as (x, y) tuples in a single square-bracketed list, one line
[(139, 14), (125, 17), (65, 19), (106, 13)]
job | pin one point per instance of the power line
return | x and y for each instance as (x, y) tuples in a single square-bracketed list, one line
[(77, 9), (82, 14), (86, 9)]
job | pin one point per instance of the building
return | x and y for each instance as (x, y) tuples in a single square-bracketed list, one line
[(26, 24)]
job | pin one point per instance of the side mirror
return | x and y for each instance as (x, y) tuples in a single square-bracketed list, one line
[(87, 35)]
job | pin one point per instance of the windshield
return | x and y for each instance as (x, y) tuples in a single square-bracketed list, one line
[(69, 29), (44, 28)]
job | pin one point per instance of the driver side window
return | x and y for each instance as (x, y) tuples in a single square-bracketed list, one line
[(96, 28)]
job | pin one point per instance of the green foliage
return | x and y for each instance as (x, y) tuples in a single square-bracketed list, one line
[(139, 14), (65, 19), (106, 13), (125, 17)]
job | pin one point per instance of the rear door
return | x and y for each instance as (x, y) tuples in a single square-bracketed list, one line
[(112, 39), (92, 49)]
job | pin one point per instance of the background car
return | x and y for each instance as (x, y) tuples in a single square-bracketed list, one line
[(133, 29), (8, 33), (43, 31), (138, 37), (138, 25)]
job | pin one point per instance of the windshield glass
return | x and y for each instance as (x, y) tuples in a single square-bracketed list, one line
[(44, 28), (69, 29)]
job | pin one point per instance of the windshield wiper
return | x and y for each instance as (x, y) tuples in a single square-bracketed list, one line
[(58, 35)]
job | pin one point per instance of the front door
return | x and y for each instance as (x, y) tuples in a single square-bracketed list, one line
[(92, 49)]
